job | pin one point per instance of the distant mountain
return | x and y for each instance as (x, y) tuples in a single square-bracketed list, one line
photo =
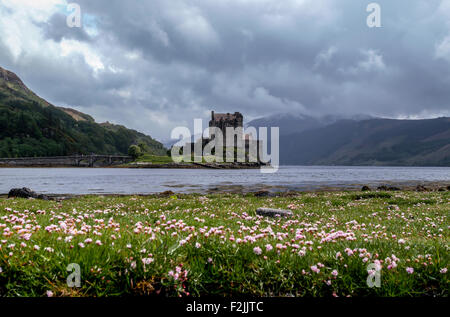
[(370, 142), (295, 123), (31, 126)]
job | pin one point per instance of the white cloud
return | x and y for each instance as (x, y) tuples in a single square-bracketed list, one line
[(189, 21), (442, 49), (324, 57), (91, 58), (372, 62), (38, 10)]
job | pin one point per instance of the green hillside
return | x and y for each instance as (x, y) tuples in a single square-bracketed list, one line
[(30, 126)]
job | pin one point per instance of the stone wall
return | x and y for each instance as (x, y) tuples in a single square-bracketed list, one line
[(66, 161)]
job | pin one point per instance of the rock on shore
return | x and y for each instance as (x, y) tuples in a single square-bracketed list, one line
[(25, 193)]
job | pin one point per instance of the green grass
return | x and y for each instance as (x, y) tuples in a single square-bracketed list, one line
[(155, 159), (167, 229)]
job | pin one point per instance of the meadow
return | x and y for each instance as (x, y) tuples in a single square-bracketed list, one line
[(196, 245)]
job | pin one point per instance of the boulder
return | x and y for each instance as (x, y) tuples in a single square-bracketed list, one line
[(25, 193), (269, 212), (365, 189), (167, 193), (386, 188), (421, 188), (261, 193)]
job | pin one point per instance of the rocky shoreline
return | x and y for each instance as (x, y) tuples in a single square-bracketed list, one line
[(257, 191), (194, 165), (148, 165)]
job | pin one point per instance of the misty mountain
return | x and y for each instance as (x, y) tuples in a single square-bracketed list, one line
[(370, 142), (295, 123)]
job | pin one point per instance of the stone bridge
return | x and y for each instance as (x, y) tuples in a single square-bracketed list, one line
[(69, 161)]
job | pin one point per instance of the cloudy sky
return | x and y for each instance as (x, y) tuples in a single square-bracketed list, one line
[(156, 64)]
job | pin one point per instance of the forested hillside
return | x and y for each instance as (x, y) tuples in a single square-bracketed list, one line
[(30, 126)]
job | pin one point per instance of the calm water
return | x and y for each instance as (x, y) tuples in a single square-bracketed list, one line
[(145, 181)]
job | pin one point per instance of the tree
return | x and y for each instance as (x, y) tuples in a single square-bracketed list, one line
[(134, 151), (144, 147)]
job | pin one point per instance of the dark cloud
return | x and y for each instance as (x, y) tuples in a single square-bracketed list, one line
[(153, 65), (56, 29)]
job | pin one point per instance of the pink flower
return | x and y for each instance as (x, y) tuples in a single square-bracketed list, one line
[(198, 245), (391, 266), (315, 269), (98, 242), (269, 247), (409, 270), (443, 271), (257, 250), (147, 261), (334, 273), (49, 294)]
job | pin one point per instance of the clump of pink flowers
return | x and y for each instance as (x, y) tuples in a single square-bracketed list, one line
[(257, 250)]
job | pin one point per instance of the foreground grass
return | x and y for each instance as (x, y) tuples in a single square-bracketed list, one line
[(192, 245)]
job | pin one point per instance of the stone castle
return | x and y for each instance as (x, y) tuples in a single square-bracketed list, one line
[(248, 145), (226, 120)]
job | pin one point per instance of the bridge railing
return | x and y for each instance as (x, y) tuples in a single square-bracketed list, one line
[(65, 157)]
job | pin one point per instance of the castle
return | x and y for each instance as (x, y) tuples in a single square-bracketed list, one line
[(226, 120), (243, 145)]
